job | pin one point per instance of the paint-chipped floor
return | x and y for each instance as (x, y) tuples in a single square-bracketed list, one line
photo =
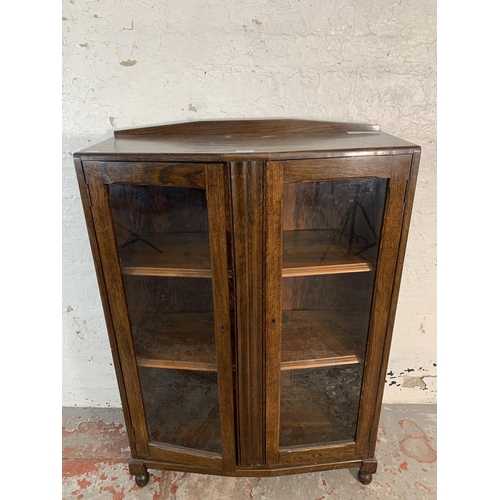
[(95, 456)]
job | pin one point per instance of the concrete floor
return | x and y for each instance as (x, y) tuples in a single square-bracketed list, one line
[(95, 455)]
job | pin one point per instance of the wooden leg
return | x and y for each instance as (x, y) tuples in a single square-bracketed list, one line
[(140, 471), (366, 471)]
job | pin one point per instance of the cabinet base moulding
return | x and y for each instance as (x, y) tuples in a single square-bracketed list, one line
[(137, 468)]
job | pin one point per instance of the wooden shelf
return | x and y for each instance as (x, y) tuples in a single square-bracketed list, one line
[(313, 252), (305, 253), (312, 339), (176, 254), (181, 341)]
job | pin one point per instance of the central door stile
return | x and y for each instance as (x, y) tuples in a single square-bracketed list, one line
[(247, 198)]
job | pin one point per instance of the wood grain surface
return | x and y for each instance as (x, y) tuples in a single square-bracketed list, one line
[(103, 223), (247, 126), (247, 209), (217, 196), (254, 140), (273, 241)]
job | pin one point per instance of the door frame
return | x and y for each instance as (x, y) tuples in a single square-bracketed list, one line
[(394, 168), (97, 176)]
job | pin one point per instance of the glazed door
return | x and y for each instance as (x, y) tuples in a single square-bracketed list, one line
[(332, 236), (162, 235)]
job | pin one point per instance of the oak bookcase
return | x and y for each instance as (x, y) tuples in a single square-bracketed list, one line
[(249, 272)]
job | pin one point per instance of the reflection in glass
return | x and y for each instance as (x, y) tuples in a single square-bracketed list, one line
[(163, 242), (319, 405), (331, 233), (182, 408)]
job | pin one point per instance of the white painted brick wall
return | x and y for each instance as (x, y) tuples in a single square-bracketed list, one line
[(134, 62)]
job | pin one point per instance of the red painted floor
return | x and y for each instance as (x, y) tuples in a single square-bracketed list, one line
[(96, 452), (95, 458)]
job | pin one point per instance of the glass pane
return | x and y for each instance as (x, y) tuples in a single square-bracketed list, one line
[(328, 406), (331, 233), (163, 242), (161, 229), (182, 408)]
